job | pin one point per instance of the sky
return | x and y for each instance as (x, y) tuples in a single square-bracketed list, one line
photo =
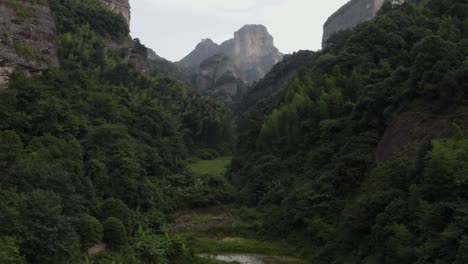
[(173, 28)]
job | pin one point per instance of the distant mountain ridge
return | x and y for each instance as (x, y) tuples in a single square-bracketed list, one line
[(246, 59)]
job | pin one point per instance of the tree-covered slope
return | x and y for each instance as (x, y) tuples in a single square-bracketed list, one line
[(396, 85), (94, 151)]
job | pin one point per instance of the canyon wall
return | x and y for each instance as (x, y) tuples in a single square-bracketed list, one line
[(27, 37), (350, 15)]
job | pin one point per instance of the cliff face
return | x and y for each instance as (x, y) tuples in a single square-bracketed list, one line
[(252, 51), (350, 15), (241, 61), (27, 37), (119, 6), (219, 78)]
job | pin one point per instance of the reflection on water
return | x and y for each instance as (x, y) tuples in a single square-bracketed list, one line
[(250, 259)]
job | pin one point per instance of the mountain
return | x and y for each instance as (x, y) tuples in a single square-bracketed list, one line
[(251, 54)]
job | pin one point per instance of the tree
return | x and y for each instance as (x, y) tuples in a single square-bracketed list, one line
[(9, 251), (90, 230), (114, 233)]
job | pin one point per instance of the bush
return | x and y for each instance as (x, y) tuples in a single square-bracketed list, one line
[(115, 234), (90, 230), (116, 208)]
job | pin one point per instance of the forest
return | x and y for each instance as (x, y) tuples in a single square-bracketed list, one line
[(365, 158), (361, 158)]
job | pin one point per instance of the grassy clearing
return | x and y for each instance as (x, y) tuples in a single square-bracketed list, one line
[(215, 167), (205, 219), (242, 245)]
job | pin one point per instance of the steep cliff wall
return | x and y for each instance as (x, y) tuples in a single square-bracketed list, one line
[(27, 37), (350, 15), (119, 6)]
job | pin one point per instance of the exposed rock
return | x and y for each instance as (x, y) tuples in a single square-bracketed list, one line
[(252, 51), (246, 59), (27, 38), (411, 129), (219, 78), (119, 6), (350, 15)]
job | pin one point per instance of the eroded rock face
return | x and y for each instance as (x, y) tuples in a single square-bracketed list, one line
[(219, 78), (350, 15), (248, 57), (119, 6), (27, 38), (252, 51)]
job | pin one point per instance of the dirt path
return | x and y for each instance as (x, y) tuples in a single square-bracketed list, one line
[(97, 249)]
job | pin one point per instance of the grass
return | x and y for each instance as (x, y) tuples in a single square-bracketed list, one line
[(205, 219), (215, 167), (242, 245)]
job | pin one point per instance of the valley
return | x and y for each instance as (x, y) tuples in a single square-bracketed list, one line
[(354, 153)]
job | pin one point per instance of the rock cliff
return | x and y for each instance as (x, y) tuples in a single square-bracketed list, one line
[(119, 6), (350, 15), (242, 60), (27, 37)]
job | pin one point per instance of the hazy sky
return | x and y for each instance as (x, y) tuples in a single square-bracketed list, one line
[(174, 27)]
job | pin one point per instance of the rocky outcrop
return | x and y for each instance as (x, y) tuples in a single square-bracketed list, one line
[(119, 6), (219, 78), (408, 131), (27, 37), (248, 57), (252, 51), (350, 15)]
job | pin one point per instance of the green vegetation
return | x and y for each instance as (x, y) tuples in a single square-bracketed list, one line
[(215, 167), (115, 234), (90, 230), (202, 244), (308, 167), (26, 51), (204, 219), (71, 14), (21, 9), (96, 151)]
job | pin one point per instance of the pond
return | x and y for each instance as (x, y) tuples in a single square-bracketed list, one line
[(252, 258)]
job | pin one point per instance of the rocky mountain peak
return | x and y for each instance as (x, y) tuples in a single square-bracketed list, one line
[(251, 54)]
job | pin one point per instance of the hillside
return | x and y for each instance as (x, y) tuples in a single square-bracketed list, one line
[(362, 156), (95, 151)]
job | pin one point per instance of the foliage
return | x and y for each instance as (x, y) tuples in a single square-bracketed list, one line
[(306, 159), (90, 230), (9, 251), (115, 233), (96, 141)]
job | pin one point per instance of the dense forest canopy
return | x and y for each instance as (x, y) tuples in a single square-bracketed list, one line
[(396, 88), (354, 154), (97, 150)]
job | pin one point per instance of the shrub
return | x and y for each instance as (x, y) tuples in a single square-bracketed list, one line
[(115, 234), (90, 230)]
